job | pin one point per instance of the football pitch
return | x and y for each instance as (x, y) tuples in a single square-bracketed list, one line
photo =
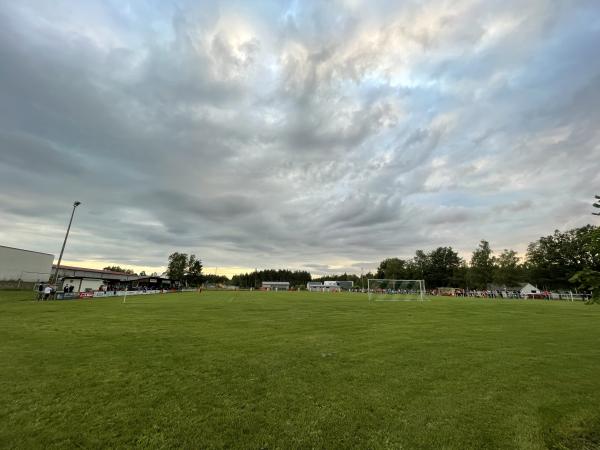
[(298, 370)]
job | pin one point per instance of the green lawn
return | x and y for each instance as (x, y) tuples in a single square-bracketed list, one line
[(298, 370)]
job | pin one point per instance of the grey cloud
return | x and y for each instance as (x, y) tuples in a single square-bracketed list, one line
[(216, 207), (29, 153), (452, 216), (318, 136)]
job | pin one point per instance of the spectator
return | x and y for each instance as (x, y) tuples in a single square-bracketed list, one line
[(47, 292)]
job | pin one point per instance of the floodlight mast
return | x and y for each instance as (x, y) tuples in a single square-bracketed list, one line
[(75, 205), (596, 205)]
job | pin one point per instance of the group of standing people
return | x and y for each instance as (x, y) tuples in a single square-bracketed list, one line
[(45, 292)]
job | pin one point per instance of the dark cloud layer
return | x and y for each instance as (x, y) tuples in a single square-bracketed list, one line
[(318, 135)]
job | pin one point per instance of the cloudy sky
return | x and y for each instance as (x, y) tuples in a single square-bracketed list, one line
[(323, 135)]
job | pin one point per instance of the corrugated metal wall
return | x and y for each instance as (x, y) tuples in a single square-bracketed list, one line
[(28, 266)]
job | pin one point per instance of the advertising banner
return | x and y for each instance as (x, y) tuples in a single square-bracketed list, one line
[(98, 294)]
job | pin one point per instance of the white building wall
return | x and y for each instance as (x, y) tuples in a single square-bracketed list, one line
[(276, 285), (18, 264), (71, 281), (90, 284), (529, 289)]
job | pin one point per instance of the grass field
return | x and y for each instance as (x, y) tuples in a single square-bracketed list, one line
[(298, 370)]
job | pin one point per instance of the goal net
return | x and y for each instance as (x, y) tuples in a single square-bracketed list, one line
[(395, 290)]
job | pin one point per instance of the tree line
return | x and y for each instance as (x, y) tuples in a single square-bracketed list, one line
[(550, 263), (296, 278)]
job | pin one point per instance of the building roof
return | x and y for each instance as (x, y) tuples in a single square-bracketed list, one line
[(83, 278), (30, 251), (99, 271), (155, 277)]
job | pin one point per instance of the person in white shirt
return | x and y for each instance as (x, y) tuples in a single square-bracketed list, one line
[(47, 292)]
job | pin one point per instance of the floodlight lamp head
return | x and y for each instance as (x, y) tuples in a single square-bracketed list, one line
[(76, 204), (596, 205)]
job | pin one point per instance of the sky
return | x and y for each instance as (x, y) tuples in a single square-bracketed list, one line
[(315, 135)]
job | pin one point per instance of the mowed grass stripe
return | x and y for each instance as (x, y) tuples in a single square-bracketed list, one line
[(289, 369)]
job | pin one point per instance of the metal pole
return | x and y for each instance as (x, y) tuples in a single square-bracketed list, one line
[(75, 205)]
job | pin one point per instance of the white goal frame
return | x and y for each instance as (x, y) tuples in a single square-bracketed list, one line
[(420, 285)]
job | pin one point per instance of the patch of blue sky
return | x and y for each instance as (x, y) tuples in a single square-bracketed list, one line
[(467, 199)]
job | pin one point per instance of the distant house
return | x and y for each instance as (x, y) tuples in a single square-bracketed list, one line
[(523, 289), (527, 289), (343, 285), (314, 286), (84, 279), (276, 285), (85, 284), (329, 286), (85, 272), (151, 282)]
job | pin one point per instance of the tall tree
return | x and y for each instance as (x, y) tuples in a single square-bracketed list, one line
[(193, 275), (419, 265), (178, 263), (590, 280), (553, 260), (482, 266), (460, 275), (508, 272), (442, 265), (392, 268)]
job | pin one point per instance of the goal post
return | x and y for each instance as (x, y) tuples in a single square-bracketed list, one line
[(395, 290)]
